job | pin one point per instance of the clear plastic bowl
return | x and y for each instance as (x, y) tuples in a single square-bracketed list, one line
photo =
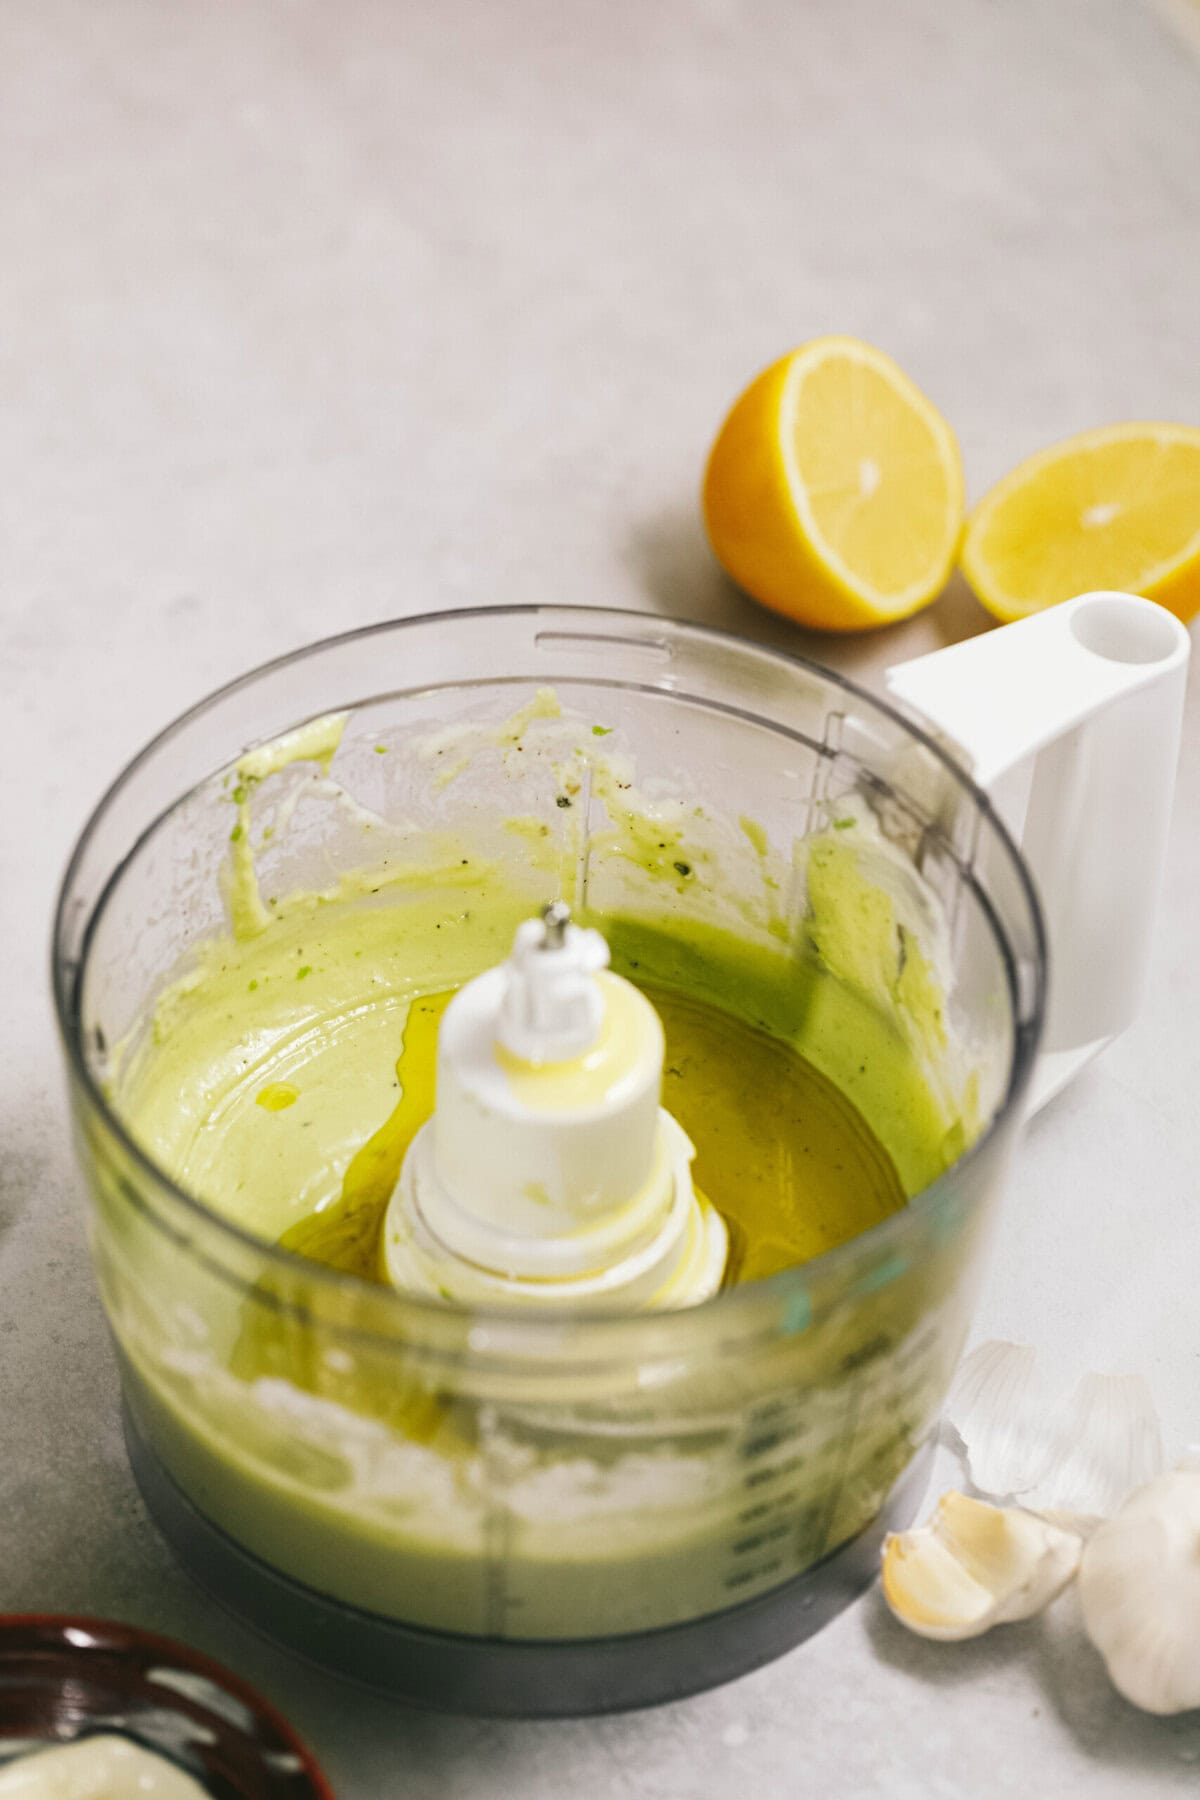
[(640, 1505)]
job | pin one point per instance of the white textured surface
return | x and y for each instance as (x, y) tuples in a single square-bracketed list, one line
[(313, 314)]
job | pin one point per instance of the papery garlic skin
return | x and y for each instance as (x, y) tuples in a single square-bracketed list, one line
[(1072, 1454), (974, 1566), (1139, 1587)]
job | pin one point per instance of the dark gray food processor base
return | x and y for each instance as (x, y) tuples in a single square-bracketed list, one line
[(545, 1678)]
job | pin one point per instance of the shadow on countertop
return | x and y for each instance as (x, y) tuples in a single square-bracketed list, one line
[(1064, 1666), (672, 563)]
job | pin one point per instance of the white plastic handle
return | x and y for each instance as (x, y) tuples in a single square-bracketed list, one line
[(1071, 720)]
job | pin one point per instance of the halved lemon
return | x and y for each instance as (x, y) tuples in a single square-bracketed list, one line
[(834, 491), (1114, 508)]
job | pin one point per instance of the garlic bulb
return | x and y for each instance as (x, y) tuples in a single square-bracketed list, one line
[(1139, 1586), (974, 1566)]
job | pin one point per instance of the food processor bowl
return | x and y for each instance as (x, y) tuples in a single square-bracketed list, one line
[(550, 1514)]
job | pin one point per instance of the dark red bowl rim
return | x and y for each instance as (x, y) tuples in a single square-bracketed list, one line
[(119, 1639)]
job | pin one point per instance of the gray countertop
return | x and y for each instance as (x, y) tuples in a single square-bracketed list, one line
[(312, 315)]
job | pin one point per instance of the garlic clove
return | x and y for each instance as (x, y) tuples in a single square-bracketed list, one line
[(927, 1588), (1075, 1454), (1139, 1588), (974, 1566)]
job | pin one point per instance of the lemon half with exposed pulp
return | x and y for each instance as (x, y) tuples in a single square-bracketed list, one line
[(834, 491), (1114, 508)]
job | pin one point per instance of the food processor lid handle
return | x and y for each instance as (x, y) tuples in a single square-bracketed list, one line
[(1071, 719)]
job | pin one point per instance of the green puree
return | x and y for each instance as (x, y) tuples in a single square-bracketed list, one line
[(283, 1076), (288, 1072), (789, 1162)]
